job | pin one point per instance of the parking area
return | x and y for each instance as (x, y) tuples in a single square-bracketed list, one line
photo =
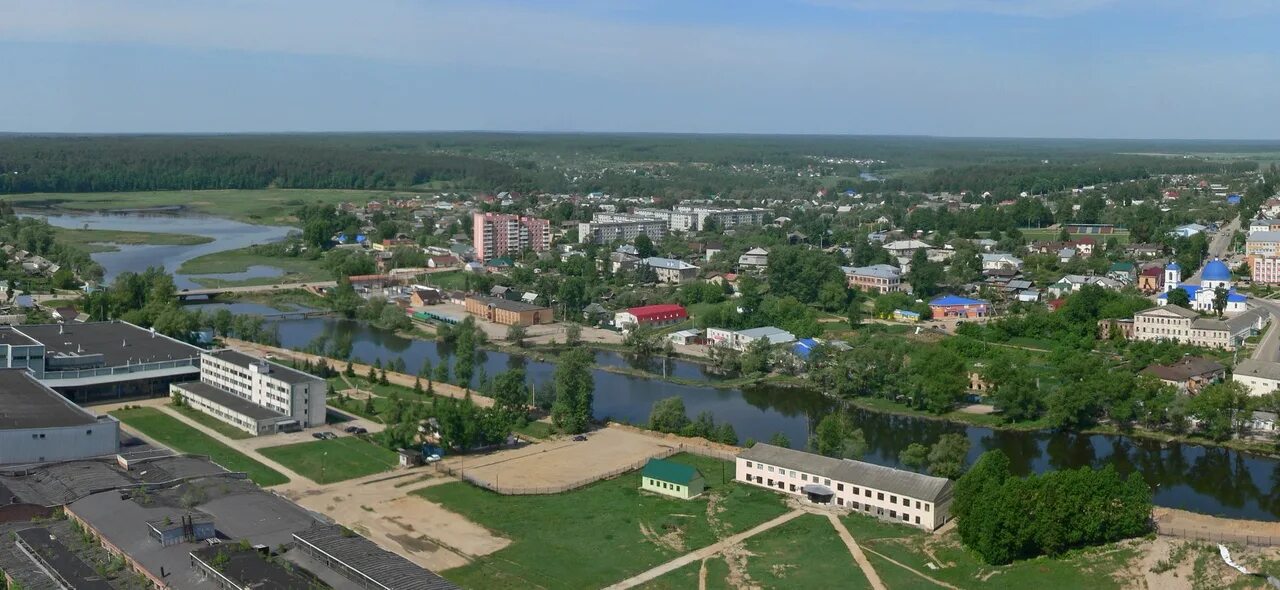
[(563, 462)]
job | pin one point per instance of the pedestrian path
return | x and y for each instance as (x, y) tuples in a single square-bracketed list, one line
[(870, 572)]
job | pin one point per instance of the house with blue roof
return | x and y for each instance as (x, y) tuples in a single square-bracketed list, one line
[(955, 306), (1200, 295)]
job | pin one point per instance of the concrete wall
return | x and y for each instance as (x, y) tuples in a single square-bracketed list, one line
[(37, 445)]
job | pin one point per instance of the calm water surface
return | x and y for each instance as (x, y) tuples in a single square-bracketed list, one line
[(1203, 479), (227, 234)]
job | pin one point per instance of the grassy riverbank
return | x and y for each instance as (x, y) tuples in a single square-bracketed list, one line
[(105, 240), (266, 207), (296, 270)]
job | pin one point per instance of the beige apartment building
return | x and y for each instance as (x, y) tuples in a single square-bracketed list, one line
[(892, 494), (1172, 322), (877, 278)]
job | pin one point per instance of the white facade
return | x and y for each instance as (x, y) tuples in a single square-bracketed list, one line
[(60, 443), (606, 228), (741, 340), (900, 496), (280, 389), (1260, 377), (754, 257)]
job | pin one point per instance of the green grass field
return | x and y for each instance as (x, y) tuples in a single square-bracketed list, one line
[(1040, 234), (296, 270), (804, 553), (339, 459), (454, 280), (104, 240), (268, 207), (215, 424), (1086, 568), (168, 431), (600, 534)]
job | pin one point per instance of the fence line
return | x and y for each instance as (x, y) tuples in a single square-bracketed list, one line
[(528, 491), (1255, 540)]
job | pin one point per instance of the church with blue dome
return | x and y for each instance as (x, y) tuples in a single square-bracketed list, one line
[(1215, 274)]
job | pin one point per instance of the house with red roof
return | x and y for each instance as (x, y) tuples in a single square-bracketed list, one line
[(650, 315)]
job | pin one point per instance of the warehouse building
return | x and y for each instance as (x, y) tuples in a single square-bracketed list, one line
[(99, 361), (508, 313), (37, 425), (255, 395)]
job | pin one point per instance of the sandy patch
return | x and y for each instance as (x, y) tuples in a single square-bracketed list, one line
[(553, 464)]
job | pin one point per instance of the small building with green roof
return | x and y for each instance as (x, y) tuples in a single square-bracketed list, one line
[(672, 479)]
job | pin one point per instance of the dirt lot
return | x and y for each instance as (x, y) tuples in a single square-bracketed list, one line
[(562, 462)]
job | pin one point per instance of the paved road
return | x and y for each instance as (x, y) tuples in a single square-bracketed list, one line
[(1218, 246), (1269, 348), (255, 288)]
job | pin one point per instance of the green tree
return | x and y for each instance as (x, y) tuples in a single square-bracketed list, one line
[(947, 456), (925, 275), (1221, 409), (572, 410), (916, 455), (572, 334), (516, 335), (1220, 300), (510, 392), (834, 437), (644, 246), (1179, 297), (780, 440), (442, 372), (668, 415), (937, 379)]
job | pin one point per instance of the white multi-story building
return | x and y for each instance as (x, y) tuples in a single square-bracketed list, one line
[(892, 494), (606, 228), (255, 395), (1260, 377), (670, 270), (724, 218), (675, 220)]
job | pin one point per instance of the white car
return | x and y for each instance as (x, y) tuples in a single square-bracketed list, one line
[(433, 458)]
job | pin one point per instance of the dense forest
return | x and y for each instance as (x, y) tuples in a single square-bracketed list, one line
[(677, 166)]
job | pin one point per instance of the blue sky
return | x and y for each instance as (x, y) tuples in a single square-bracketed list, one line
[(1046, 68)]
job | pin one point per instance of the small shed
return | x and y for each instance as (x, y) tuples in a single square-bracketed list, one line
[(672, 479)]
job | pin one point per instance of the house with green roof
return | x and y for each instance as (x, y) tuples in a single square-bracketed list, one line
[(1125, 272), (672, 479)]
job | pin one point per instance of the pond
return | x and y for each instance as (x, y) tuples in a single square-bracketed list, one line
[(227, 235), (1209, 480)]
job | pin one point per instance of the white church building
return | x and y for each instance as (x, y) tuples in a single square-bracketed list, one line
[(1215, 274)]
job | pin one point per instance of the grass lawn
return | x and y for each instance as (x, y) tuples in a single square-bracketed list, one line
[(600, 534), (536, 429), (168, 431), (454, 280), (296, 269), (680, 579), (339, 459), (204, 419), (1033, 234), (804, 553), (1086, 568), (101, 240), (269, 206)]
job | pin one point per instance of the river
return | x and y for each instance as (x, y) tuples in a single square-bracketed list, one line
[(227, 234), (1210, 480)]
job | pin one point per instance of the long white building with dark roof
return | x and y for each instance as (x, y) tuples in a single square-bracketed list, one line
[(884, 492)]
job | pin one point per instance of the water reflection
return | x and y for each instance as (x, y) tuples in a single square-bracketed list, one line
[(1209, 480)]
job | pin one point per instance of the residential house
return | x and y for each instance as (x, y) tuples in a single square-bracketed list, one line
[(594, 313), (1189, 375), (1143, 251), (422, 296), (1151, 280), (671, 271), (1125, 272), (905, 248), (444, 261), (1001, 261), (757, 257)]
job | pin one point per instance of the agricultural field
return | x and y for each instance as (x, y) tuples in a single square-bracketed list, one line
[(329, 461), (172, 433), (266, 206), (624, 530)]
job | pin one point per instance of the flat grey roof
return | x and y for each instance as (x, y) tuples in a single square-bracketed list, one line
[(26, 403), (362, 555), (12, 337), (250, 569), (119, 343), (278, 371), (1255, 368), (61, 560), (228, 400), (897, 481)]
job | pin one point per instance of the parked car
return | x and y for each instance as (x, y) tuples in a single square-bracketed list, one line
[(361, 430), (580, 437), (352, 429), (433, 458), (319, 435)]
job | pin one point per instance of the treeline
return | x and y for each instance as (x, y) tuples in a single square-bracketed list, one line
[(1004, 518), (1039, 177), (144, 163)]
